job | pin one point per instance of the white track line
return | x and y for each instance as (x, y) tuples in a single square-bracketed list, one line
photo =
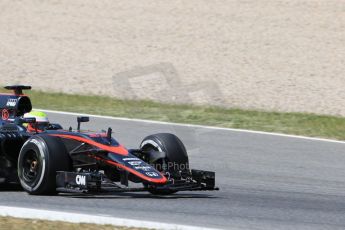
[(193, 126), (30, 213)]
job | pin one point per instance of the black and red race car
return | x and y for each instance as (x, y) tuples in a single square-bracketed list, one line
[(57, 160)]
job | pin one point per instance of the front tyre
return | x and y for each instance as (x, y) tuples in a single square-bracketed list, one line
[(175, 160), (39, 159)]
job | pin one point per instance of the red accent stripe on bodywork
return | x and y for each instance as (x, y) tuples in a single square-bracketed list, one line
[(114, 149), (117, 150), (162, 180)]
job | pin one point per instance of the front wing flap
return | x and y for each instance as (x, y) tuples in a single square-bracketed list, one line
[(95, 182)]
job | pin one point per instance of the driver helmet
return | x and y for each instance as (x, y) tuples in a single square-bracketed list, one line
[(41, 124)]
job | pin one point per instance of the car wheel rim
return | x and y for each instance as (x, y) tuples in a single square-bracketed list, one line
[(31, 167)]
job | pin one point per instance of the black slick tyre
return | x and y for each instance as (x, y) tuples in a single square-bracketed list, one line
[(175, 160), (39, 159)]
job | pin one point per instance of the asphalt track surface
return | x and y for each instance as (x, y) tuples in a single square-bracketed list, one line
[(266, 181)]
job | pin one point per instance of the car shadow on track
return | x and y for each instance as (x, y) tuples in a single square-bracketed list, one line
[(114, 195), (131, 195), (10, 188)]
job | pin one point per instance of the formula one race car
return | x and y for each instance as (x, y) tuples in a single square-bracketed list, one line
[(55, 160)]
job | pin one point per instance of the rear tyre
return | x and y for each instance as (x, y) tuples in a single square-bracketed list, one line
[(39, 159), (175, 160)]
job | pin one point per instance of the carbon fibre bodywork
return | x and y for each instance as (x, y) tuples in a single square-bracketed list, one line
[(99, 162)]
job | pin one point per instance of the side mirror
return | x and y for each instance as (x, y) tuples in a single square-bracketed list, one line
[(23, 120), (30, 120), (83, 119), (80, 120)]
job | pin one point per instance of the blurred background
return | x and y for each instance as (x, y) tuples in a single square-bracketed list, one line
[(255, 54)]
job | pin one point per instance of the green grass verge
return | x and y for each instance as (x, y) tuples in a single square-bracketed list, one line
[(288, 123), (10, 223)]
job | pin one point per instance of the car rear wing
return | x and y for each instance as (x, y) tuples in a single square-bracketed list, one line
[(16, 104)]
